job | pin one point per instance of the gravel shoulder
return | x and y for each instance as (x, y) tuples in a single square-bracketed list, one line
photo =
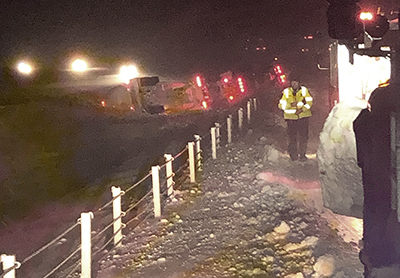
[(254, 214)]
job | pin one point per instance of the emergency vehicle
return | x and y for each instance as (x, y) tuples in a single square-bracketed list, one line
[(232, 88)]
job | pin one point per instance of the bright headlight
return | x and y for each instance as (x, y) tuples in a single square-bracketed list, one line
[(24, 68), (126, 73), (79, 65)]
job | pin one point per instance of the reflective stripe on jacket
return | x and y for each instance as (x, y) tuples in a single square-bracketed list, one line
[(303, 102)]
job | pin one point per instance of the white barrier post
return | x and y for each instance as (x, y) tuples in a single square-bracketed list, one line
[(213, 143), (155, 175), (218, 135), (170, 174), (199, 166), (255, 104), (117, 226), (86, 244), (192, 164), (248, 111), (8, 262), (240, 114), (229, 127)]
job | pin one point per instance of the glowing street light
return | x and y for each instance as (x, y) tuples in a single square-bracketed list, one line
[(79, 65)]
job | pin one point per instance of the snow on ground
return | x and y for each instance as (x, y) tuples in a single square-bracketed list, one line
[(337, 159), (255, 214)]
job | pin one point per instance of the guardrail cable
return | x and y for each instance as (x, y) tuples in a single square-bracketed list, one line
[(50, 243), (146, 210), (164, 188), (108, 226), (170, 176), (139, 202), (63, 262), (171, 185), (110, 202), (109, 241), (183, 166), (15, 266), (77, 264), (139, 182), (182, 151), (166, 162), (111, 249)]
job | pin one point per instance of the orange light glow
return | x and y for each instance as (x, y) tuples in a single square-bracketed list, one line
[(231, 97), (366, 16), (103, 103), (204, 103)]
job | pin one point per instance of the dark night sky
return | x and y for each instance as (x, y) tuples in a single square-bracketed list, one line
[(164, 36)]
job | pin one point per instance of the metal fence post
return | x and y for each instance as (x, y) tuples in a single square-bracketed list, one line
[(199, 166), (155, 174), (248, 111), (240, 116), (86, 244), (218, 135), (8, 262), (255, 104), (116, 191), (229, 127), (170, 174), (192, 165), (213, 143)]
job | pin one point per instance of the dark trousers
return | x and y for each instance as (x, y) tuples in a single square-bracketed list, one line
[(298, 137)]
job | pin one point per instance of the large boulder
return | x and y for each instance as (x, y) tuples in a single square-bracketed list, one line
[(340, 176)]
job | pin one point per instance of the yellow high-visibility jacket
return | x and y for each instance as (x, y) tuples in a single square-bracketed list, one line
[(296, 105)]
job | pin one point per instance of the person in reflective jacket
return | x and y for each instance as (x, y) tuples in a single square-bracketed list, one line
[(296, 103)]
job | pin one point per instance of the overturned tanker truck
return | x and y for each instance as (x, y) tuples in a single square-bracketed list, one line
[(153, 96)]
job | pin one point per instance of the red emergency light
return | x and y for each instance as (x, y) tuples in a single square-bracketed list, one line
[(198, 81), (278, 69), (241, 85), (282, 79)]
